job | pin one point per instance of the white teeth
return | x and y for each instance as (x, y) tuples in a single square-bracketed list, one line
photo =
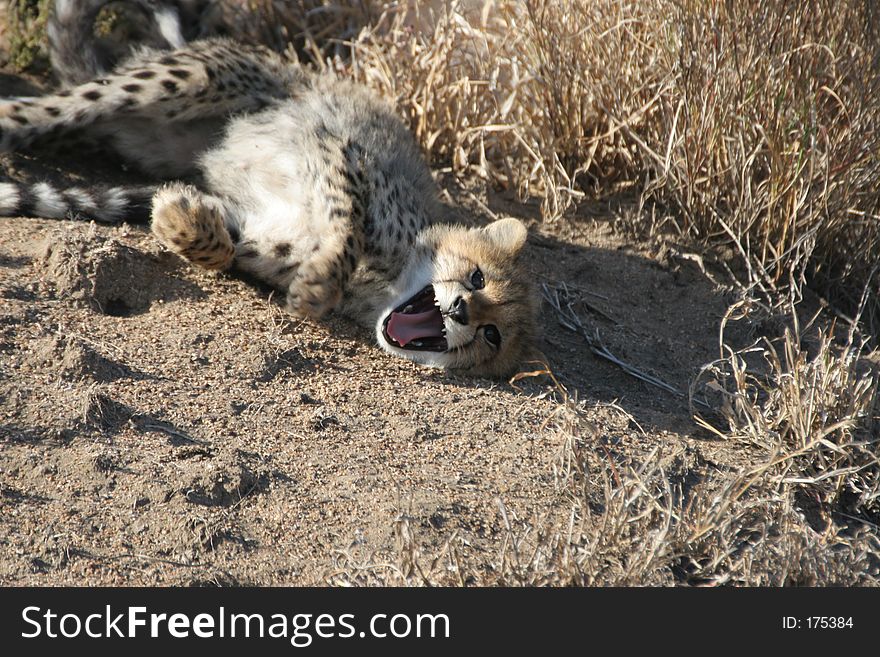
[(408, 309)]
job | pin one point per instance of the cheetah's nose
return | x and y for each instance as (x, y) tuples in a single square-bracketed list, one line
[(458, 311)]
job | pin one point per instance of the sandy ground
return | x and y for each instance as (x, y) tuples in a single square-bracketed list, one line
[(161, 425)]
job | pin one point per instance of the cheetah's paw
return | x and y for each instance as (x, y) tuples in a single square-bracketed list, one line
[(191, 226)]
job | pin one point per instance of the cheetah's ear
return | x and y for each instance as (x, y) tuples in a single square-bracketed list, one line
[(509, 235)]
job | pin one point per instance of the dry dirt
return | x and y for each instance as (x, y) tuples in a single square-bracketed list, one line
[(160, 425)]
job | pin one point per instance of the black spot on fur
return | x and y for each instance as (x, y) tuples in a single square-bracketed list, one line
[(52, 111), (144, 75), (234, 234), (93, 94), (282, 249), (19, 119), (63, 94), (170, 85), (168, 60), (179, 73), (127, 103), (132, 88)]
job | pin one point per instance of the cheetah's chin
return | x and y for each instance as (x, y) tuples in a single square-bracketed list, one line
[(417, 324)]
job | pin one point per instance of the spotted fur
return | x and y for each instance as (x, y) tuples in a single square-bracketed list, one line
[(307, 182)]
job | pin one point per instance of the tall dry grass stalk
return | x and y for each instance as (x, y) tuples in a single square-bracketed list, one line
[(803, 511)]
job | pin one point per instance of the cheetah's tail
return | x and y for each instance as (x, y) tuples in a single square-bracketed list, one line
[(75, 54), (101, 203)]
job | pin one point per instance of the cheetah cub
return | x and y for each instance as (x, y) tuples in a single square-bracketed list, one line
[(305, 181)]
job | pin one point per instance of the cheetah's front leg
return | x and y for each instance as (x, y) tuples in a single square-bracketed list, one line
[(320, 280), (331, 247), (332, 241)]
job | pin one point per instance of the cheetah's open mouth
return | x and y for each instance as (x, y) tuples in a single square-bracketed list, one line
[(417, 324)]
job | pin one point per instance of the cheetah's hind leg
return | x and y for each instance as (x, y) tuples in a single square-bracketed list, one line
[(191, 224)]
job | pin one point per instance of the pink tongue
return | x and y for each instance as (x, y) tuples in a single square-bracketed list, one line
[(406, 328)]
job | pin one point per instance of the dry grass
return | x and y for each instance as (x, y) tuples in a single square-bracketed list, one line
[(810, 407), (23, 29)]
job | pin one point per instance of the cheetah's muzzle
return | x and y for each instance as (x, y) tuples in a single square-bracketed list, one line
[(417, 324)]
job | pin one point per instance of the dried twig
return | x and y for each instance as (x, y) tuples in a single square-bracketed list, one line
[(561, 301)]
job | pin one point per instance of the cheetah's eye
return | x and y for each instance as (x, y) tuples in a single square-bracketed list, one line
[(477, 280), (492, 335)]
